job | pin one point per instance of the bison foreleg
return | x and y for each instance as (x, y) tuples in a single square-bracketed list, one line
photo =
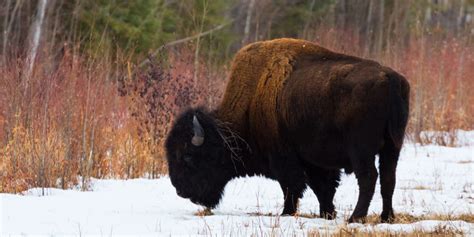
[(290, 175), (292, 197), (323, 182)]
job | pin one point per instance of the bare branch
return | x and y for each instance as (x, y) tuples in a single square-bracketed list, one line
[(184, 40)]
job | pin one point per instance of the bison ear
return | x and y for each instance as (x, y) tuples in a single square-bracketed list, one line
[(198, 138)]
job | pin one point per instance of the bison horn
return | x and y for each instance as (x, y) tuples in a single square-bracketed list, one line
[(198, 138)]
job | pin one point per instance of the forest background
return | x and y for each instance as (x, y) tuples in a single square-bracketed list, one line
[(90, 88)]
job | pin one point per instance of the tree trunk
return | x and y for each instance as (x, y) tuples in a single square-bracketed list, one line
[(33, 41), (5, 25), (460, 17), (248, 20), (309, 19), (368, 29), (380, 27), (8, 25), (198, 44)]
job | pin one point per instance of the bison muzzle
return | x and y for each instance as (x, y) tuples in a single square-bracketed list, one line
[(297, 113)]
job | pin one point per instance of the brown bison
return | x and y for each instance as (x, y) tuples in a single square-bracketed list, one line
[(297, 113)]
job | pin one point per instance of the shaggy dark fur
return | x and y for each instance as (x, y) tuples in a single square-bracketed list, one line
[(297, 113)]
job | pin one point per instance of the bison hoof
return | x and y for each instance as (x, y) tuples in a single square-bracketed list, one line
[(328, 215), (359, 219), (387, 217), (288, 212)]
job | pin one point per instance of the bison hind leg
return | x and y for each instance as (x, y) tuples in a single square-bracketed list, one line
[(388, 164), (366, 174)]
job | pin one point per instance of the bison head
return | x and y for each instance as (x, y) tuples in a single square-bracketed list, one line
[(198, 161)]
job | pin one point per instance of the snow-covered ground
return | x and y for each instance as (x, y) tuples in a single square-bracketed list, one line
[(430, 180)]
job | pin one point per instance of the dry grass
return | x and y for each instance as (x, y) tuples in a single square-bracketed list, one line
[(262, 214), (421, 187), (400, 218), (418, 187), (308, 215), (298, 215), (441, 230), (405, 218), (274, 227), (204, 212), (465, 161)]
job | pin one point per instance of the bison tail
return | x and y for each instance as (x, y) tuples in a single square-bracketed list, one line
[(399, 102)]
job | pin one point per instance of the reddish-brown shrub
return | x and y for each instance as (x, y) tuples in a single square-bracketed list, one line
[(68, 122)]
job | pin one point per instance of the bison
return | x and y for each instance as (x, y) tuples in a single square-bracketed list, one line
[(297, 113)]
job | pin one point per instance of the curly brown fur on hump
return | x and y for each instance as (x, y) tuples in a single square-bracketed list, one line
[(259, 71)]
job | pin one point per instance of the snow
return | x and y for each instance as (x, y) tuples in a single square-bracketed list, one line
[(431, 180)]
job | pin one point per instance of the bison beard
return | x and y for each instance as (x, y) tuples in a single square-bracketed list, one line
[(297, 113)]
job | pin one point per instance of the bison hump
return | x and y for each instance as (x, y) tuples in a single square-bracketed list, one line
[(258, 74)]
